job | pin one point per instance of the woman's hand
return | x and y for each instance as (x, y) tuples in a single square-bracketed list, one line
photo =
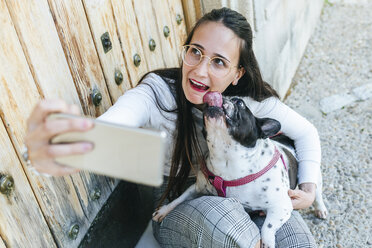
[(304, 196), (40, 130)]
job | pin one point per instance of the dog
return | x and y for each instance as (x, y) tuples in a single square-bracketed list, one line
[(244, 163)]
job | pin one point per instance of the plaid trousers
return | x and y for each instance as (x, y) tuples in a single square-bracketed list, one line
[(212, 221)]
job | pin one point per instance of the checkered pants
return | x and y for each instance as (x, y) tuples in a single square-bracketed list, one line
[(212, 221)]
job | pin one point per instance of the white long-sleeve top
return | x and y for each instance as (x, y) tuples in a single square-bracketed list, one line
[(138, 108)]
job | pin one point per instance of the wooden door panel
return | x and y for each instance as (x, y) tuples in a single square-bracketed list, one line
[(192, 11), (79, 48), (46, 58), (57, 197), (146, 22), (20, 212), (129, 39), (2, 244), (43, 50), (101, 20), (169, 47), (178, 22)]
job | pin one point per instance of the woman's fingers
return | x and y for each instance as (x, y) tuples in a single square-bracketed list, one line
[(43, 109), (51, 128), (300, 199), (45, 157), (58, 150), (40, 130), (73, 109)]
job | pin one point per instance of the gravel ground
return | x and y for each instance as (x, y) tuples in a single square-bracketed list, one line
[(337, 60)]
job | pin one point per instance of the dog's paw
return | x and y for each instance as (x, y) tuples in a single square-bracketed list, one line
[(268, 241), (160, 214), (157, 217), (321, 213), (265, 245)]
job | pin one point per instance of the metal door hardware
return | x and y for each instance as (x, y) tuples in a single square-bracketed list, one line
[(106, 42)]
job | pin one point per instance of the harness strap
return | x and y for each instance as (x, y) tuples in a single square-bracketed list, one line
[(221, 184)]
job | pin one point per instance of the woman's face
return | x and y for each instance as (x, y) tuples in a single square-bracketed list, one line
[(213, 39)]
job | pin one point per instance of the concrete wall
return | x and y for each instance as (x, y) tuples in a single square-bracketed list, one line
[(282, 29)]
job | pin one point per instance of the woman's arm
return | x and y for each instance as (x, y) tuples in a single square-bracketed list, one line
[(135, 108), (307, 147)]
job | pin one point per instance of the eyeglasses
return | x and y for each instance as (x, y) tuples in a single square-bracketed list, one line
[(219, 67)]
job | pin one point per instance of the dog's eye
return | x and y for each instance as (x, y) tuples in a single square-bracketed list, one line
[(240, 103)]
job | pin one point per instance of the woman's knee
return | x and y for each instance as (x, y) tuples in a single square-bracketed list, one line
[(295, 233), (208, 219)]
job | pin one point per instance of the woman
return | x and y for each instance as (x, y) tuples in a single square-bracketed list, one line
[(217, 56)]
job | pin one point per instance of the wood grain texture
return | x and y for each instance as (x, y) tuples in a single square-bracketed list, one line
[(42, 48), (101, 20), (146, 22), (20, 211), (58, 198), (130, 38), (2, 244), (15, 107), (175, 8), (76, 38), (193, 12), (169, 45)]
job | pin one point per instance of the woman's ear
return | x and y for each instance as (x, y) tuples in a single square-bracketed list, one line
[(238, 75)]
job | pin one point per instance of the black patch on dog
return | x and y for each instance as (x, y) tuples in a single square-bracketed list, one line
[(265, 188), (277, 189), (269, 225), (243, 126)]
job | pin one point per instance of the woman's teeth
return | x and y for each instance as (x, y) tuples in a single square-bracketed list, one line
[(198, 85)]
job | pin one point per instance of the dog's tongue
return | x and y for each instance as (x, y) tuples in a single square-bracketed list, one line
[(213, 98)]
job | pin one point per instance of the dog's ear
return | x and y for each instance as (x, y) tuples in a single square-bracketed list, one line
[(269, 127)]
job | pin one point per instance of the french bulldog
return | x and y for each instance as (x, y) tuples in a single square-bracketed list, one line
[(246, 164)]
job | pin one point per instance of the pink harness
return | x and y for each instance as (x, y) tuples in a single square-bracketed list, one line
[(221, 184)]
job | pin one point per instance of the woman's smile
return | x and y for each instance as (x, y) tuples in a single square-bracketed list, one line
[(198, 86)]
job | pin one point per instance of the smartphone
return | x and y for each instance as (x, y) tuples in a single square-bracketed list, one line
[(127, 153)]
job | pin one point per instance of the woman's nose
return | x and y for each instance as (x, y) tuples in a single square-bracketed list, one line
[(202, 68)]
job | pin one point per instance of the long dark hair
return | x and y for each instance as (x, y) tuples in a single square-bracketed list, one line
[(187, 149)]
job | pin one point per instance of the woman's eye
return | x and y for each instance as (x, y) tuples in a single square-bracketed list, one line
[(219, 62), (195, 51)]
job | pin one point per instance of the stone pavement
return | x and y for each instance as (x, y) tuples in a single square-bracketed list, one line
[(333, 89)]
